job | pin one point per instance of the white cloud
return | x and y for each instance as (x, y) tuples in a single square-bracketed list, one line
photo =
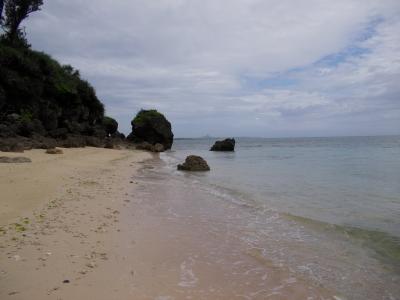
[(188, 58)]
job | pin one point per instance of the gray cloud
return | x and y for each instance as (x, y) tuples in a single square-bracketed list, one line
[(208, 64)]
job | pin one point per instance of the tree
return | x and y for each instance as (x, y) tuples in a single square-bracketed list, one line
[(1, 11), (15, 11)]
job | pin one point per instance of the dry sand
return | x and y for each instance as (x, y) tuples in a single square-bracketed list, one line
[(55, 214), (25, 186), (89, 225)]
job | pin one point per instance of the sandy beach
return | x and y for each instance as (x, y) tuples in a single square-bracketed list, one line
[(101, 224), (56, 215)]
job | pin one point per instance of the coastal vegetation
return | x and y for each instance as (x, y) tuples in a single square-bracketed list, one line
[(152, 127), (38, 95), (44, 104)]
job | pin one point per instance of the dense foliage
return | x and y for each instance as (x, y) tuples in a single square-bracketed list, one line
[(51, 96), (144, 116), (15, 11), (152, 127)]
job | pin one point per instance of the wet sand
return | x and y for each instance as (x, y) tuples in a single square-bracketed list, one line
[(111, 231)]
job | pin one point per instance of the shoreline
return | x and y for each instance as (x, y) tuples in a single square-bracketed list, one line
[(121, 226), (115, 230)]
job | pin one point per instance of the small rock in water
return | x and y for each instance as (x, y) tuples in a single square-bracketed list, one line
[(194, 163), (225, 145)]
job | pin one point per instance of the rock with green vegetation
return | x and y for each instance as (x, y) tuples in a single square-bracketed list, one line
[(40, 98), (110, 125), (152, 127), (44, 95)]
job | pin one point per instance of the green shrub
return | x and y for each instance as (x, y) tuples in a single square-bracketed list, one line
[(35, 86), (144, 116), (110, 125)]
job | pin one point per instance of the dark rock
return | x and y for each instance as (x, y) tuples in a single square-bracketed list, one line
[(152, 127), (7, 131), (14, 160), (41, 97), (109, 144), (74, 127), (27, 128), (54, 151), (225, 145), (144, 146), (149, 147), (17, 147), (92, 141), (194, 163), (12, 118), (99, 132), (59, 133), (158, 148), (41, 142), (118, 135), (73, 141), (9, 144)]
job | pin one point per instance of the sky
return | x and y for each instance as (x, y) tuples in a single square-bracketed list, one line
[(259, 68)]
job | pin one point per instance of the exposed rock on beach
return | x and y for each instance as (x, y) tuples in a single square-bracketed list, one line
[(54, 151), (15, 160)]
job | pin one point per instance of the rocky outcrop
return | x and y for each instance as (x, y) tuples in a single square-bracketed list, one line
[(54, 151), (149, 147), (45, 104), (194, 163), (225, 145), (14, 160), (19, 144), (158, 148), (152, 127)]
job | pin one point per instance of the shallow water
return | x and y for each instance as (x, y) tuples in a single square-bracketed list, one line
[(194, 244), (326, 209)]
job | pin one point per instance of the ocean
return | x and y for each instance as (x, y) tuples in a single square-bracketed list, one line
[(326, 208)]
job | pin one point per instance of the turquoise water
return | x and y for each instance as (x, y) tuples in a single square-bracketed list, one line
[(347, 181)]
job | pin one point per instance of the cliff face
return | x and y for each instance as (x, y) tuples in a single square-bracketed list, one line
[(38, 96)]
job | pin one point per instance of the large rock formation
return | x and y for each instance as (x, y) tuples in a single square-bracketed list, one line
[(42, 100), (194, 163), (225, 145), (152, 127)]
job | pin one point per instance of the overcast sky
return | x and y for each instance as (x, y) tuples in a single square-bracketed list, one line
[(235, 67)]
